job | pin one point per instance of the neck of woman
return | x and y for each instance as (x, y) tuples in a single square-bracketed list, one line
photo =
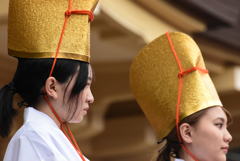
[(43, 107), (185, 156)]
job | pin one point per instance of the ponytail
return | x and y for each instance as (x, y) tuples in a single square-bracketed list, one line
[(169, 149), (7, 112)]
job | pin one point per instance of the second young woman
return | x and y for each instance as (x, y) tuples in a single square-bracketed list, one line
[(172, 86)]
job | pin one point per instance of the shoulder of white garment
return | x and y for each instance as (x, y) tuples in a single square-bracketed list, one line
[(178, 159), (40, 139)]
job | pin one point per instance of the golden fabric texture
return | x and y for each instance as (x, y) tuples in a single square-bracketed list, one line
[(35, 26), (154, 82)]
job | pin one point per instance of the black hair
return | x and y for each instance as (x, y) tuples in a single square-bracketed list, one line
[(29, 80)]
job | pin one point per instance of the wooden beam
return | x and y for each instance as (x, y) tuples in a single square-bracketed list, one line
[(218, 52), (7, 68), (136, 19), (4, 8), (229, 81), (125, 136), (168, 12)]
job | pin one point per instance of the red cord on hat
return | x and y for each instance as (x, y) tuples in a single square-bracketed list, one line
[(63, 126), (180, 86), (81, 12), (68, 13)]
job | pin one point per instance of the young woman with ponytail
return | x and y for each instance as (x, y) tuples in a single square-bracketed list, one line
[(32, 91), (172, 86), (50, 39)]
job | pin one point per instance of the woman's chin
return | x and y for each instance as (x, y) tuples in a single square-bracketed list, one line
[(75, 121)]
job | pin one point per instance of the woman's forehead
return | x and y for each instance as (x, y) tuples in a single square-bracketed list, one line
[(215, 113), (90, 74)]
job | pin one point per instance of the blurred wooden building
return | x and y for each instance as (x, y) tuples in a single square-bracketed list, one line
[(116, 129)]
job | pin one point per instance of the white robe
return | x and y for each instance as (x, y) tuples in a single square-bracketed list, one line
[(178, 159), (40, 139)]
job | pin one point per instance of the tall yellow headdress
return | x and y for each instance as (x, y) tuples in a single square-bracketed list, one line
[(35, 27), (169, 71)]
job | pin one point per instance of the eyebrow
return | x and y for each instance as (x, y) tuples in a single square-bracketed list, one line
[(220, 118)]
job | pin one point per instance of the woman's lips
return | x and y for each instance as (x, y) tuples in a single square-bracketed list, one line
[(85, 110), (225, 149)]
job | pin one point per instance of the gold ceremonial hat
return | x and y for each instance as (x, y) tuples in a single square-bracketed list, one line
[(154, 79), (35, 27)]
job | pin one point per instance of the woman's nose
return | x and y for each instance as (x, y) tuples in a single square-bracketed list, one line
[(90, 97), (228, 137)]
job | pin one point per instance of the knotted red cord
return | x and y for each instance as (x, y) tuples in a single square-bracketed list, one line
[(63, 126), (81, 12), (180, 86)]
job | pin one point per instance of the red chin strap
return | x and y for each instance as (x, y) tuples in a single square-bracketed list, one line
[(180, 76), (63, 125), (65, 129)]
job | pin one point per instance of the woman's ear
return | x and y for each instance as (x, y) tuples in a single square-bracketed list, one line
[(50, 87), (186, 132)]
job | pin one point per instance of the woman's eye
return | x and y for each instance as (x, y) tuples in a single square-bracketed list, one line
[(88, 85), (219, 125)]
